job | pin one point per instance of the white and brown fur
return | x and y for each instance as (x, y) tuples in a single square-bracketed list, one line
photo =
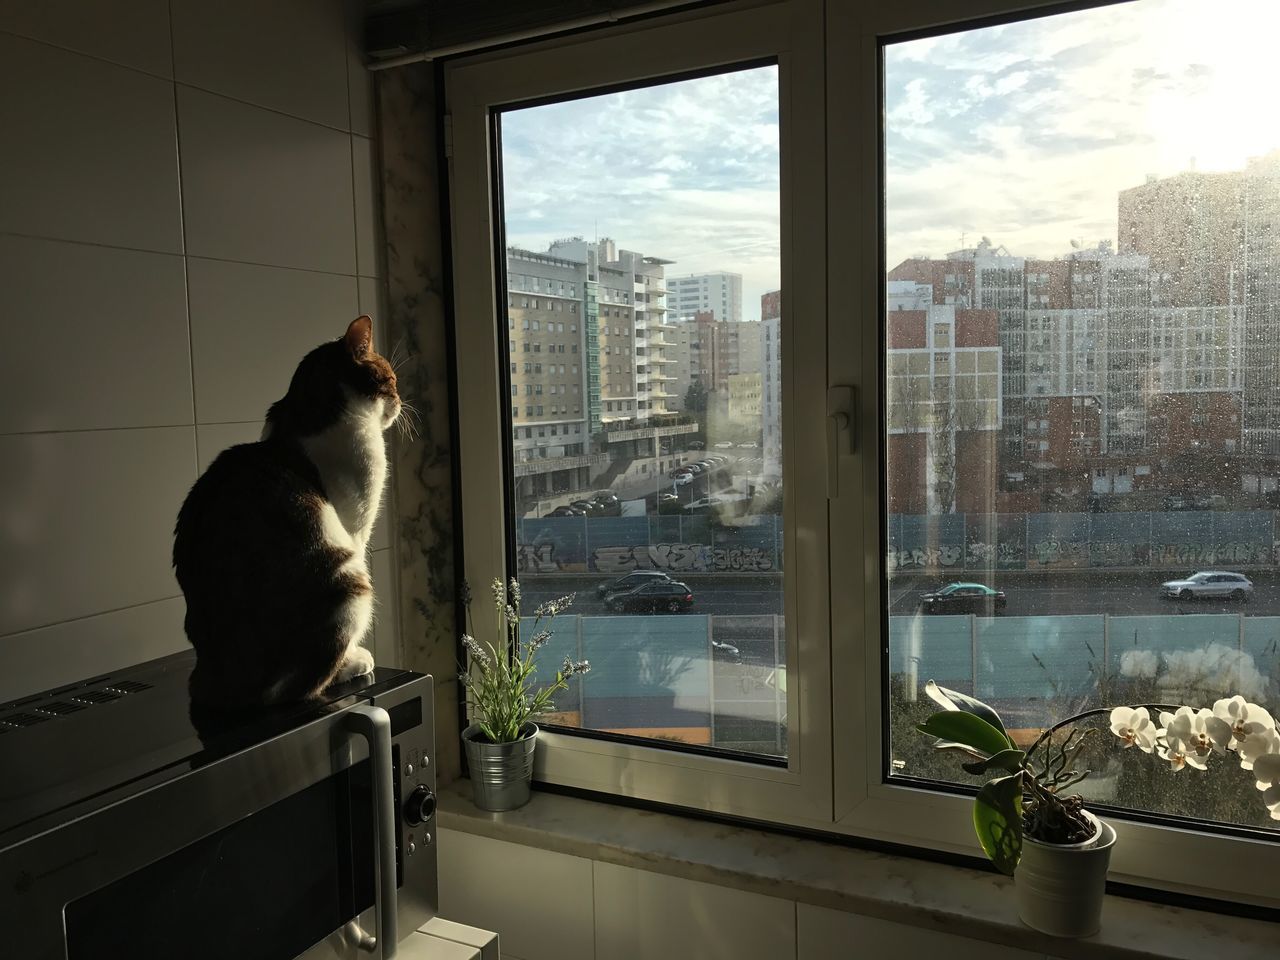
[(270, 545)]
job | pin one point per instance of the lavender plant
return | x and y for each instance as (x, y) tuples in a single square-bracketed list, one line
[(1029, 798), (498, 678)]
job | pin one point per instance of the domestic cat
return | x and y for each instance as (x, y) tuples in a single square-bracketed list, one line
[(269, 547)]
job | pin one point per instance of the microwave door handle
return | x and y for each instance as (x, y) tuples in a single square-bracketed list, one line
[(374, 724)]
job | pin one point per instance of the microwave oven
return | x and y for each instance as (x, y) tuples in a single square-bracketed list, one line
[(134, 825)]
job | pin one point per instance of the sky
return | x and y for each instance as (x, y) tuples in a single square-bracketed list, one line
[(1026, 133), (1023, 133), (686, 171)]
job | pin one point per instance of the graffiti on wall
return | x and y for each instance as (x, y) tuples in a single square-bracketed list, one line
[(1199, 555), (681, 558)]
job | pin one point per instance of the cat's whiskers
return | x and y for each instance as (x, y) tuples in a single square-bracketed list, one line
[(410, 421)]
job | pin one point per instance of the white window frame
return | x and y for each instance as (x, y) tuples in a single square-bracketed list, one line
[(833, 779), (1165, 857), (790, 33)]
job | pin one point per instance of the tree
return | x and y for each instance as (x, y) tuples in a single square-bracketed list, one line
[(695, 398), (942, 450), (970, 412), (906, 404)]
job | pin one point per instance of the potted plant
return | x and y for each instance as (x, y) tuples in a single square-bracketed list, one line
[(1055, 849), (504, 702)]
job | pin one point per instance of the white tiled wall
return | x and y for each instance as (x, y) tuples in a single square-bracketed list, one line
[(551, 906), (188, 206)]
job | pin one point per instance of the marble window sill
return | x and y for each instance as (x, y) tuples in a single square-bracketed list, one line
[(948, 899)]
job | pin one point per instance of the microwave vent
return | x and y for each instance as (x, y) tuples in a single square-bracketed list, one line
[(30, 711), (60, 708), (128, 686), (97, 696)]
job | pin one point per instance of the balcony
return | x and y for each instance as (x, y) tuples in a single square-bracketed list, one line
[(535, 467), (643, 433)]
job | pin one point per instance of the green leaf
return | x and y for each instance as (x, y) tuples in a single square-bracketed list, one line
[(1010, 760), (966, 728), (997, 819), (953, 700)]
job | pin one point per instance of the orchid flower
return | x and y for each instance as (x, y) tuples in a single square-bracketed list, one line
[(1191, 735), (1134, 728), (1266, 769), (1243, 717), (1257, 745)]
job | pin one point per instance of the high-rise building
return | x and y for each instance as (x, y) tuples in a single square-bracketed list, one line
[(718, 293), (550, 396), (591, 379), (1213, 240), (771, 375)]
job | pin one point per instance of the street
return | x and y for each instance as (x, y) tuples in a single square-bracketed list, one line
[(1030, 594), (744, 463)]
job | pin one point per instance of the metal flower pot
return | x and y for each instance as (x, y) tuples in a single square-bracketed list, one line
[(1060, 887), (500, 772)]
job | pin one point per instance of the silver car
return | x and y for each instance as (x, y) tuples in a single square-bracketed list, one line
[(1208, 584)]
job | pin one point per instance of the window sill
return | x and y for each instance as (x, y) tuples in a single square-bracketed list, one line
[(949, 899)]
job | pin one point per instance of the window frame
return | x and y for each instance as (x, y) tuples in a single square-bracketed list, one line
[(1148, 853), (829, 58), (691, 44)]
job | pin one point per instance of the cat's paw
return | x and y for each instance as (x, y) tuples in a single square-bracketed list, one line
[(357, 662)]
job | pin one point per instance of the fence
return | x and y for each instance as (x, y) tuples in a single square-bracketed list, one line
[(1043, 658), (658, 676), (677, 544), (956, 542), (1057, 541)]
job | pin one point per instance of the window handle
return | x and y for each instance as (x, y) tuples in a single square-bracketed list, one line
[(841, 432)]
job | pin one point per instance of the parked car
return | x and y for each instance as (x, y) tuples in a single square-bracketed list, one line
[(709, 502), (671, 597), (721, 650), (681, 477), (632, 580), (1211, 502), (588, 507), (749, 445), (1208, 584), (566, 512), (1178, 501), (964, 598), (669, 503), (724, 445), (694, 468), (608, 503), (696, 445)]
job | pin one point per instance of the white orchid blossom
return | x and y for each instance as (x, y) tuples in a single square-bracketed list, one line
[(1243, 717), (1266, 770), (1191, 735), (1257, 745), (1134, 728)]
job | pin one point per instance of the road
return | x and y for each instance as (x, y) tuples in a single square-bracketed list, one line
[(743, 463), (1030, 594)]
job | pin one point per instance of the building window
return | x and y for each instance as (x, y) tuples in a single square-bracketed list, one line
[(962, 501)]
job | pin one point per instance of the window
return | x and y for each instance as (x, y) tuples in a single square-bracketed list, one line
[(848, 763), (1082, 540)]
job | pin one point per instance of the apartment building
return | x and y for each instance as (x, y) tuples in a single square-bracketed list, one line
[(771, 371), (716, 293)]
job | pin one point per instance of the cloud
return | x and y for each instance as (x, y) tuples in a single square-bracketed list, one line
[(687, 171), (1028, 131)]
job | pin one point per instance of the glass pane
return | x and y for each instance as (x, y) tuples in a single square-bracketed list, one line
[(1083, 382), (644, 315)]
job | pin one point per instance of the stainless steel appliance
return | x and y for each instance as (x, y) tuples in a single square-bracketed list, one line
[(134, 826)]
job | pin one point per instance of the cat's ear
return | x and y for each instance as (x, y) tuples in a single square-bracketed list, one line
[(359, 338)]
